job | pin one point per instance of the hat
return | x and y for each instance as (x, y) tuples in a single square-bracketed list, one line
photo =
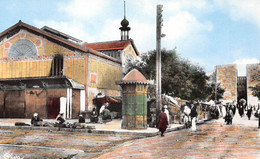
[(165, 106), (80, 115), (35, 114)]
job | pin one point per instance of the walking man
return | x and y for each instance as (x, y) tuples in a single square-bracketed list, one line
[(258, 111), (249, 110), (193, 115), (167, 113), (163, 122)]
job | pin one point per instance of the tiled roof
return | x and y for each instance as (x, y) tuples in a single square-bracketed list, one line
[(113, 45), (134, 76)]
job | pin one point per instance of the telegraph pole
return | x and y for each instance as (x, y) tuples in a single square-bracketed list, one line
[(158, 59), (216, 84)]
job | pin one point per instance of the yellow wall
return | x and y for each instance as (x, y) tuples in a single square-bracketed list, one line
[(1, 50), (52, 49), (130, 50), (106, 74), (74, 68), (18, 69)]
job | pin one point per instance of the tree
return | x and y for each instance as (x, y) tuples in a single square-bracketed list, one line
[(215, 94), (179, 76), (256, 88), (256, 91)]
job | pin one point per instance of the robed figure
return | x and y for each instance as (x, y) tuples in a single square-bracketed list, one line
[(163, 122)]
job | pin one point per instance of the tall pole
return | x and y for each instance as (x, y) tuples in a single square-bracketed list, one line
[(216, 84), (158, 59)]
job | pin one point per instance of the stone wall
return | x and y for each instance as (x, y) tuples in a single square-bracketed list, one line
[(227, 78), (253, 78)]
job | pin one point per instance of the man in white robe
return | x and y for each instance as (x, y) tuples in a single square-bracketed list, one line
[(167, 114)]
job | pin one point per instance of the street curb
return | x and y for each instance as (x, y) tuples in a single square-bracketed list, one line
[(44, 128), (145, 134), (183, 126), (93, 131), (98, 131), (175, 129)]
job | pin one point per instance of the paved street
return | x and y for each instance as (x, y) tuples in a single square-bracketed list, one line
[(30, 144), (213, 139)]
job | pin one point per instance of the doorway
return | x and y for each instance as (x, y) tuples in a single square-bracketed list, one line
[(53, 107)]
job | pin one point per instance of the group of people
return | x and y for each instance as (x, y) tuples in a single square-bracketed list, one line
[(190, 117), (104, 113), (60, 121), (214, 112), (242, 108)]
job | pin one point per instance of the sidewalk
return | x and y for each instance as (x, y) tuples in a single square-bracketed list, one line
[(112, 127)]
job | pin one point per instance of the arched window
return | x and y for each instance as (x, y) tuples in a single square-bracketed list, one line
[(23, 48)]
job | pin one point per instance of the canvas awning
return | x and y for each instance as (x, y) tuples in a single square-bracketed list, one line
[(39, 83), (107, 99)]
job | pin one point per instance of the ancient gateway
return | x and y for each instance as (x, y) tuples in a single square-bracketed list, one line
[(237, 87)]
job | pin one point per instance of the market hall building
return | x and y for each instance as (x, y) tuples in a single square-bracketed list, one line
[(47, 71)]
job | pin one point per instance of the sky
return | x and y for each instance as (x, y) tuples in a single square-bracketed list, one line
[(206, 32)]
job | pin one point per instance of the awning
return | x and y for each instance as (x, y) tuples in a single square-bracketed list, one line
[(107, 99), (171, 100), (39, 83)]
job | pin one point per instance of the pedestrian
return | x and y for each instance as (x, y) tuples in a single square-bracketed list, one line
[(249, 110), (220, 109), (186, 118), (241, 110), (216, 112), (106, 114), (36, 120), (81, 119), (94, 116), (193, 115), (233, 108), (80, 124), (228, 117), (228, 107), (258, 112), (60, 118), (167, 113), (163, 122), (103, 107)]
